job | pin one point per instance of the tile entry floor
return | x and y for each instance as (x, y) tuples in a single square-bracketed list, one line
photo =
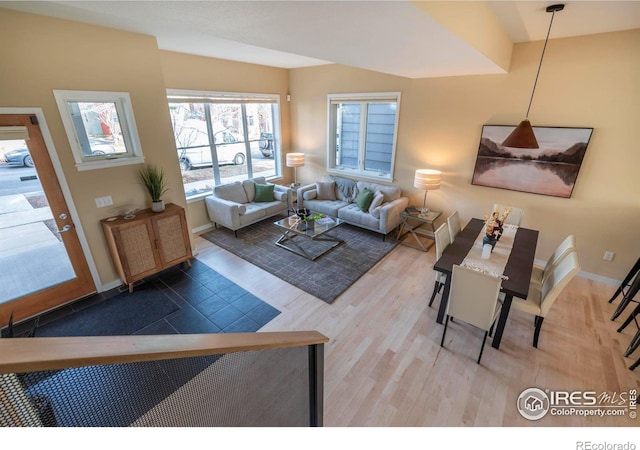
[(176, 301)]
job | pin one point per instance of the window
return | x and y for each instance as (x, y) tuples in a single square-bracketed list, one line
[(223, 137), (362, 134), (100, 127)]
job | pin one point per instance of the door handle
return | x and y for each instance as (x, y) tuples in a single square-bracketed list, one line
[(64, 229)]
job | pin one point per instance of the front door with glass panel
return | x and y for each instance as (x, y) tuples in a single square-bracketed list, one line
[(41, 261)]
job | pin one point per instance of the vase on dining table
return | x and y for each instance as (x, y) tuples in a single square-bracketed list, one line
[(489, 239)]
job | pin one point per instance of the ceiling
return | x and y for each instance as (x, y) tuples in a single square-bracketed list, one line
[(395, 37)]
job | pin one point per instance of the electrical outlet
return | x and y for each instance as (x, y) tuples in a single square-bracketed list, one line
[(101, 202), (608, 256)]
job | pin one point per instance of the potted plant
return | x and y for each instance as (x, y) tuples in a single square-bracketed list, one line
[(153, 179)]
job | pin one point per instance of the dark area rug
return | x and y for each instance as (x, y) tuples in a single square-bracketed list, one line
[(325, 278)]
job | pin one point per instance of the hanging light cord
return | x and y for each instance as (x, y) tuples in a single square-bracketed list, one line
[(540, 65)]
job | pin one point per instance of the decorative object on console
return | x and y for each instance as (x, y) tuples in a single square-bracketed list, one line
[(153, 179), (429, 180), (523, 135), (295, 160)]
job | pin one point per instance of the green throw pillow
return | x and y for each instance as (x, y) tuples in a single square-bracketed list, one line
[(264, 192), (364, 199)]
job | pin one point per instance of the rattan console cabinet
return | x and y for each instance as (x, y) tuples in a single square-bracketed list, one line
[(148, 243)]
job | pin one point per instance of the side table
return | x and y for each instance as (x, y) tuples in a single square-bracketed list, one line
[(294, 204), (421, 227)]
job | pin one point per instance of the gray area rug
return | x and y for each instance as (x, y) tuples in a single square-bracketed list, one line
[(325, 278)]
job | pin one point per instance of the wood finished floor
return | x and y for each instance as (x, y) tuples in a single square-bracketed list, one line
[(384, 365)]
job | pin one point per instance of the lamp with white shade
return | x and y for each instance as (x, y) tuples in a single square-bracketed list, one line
[(295, 160), (429, 180)]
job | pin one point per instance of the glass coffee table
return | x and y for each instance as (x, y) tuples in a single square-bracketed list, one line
[(309, 240)]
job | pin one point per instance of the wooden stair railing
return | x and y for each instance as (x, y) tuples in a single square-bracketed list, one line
[(28, 400), (18, 355)]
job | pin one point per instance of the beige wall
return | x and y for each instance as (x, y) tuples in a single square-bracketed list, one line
[(476, 24), (182, 71), (40, 54), (585, 82), (588, 81), (46, 54)]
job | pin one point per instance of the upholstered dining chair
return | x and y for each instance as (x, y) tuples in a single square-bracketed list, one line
[(515, 216), (539, 273), (473, 298), (441, 237), (453, 222), (542, 297)]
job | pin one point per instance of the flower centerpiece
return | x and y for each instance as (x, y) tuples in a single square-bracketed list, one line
[(306, 219), (494, 226)]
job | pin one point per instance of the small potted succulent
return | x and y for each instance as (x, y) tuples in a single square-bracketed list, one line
[(153, 179)]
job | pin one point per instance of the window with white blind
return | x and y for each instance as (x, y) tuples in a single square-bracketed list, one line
[(362, 134)]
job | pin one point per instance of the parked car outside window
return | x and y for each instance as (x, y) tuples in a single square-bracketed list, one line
[(266, 144), (19, 157), (230, 151)]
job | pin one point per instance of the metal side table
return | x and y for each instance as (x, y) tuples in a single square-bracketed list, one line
[(421, 227)]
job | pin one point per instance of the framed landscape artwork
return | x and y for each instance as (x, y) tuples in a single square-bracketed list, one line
[(551, 169)]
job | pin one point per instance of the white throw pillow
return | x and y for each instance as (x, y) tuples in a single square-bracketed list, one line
[(309, 195), (376, 212), (377, 201)]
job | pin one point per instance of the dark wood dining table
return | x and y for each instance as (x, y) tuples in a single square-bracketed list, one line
[(518, 269)]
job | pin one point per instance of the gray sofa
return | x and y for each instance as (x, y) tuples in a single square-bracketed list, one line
[(233, 205), (383, 215)]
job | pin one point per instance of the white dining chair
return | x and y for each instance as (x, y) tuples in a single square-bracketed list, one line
[(542, 297), (539, 273), (441, 236), (473, 298), (515, 216), (453, 223)]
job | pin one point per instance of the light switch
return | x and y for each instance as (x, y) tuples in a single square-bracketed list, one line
[(101, 202)]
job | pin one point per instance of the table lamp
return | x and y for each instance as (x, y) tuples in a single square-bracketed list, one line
[(295, 160), (429, 180)]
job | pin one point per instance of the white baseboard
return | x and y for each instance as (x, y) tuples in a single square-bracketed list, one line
[(202, 228), (110, 285), (600, 278), (587, 275)]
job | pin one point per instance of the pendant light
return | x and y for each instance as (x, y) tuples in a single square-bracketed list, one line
[(523, 136)]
